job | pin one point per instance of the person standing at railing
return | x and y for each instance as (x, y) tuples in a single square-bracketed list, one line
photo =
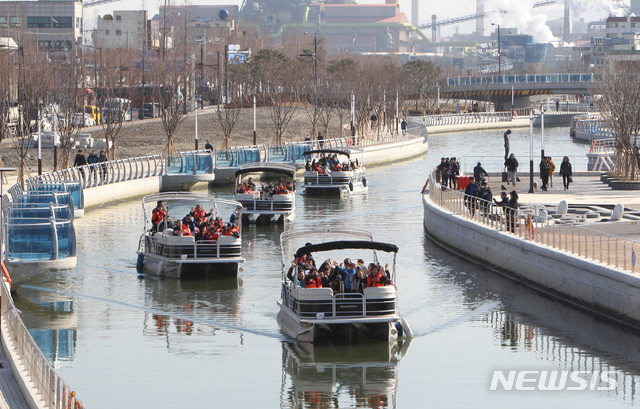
[(92, 159), (403, 127), (320, 140), (208, 146), (454, 171), (566, 172), (470, 196), (512, 169), (557, 105), (511, 211), (486, 196), (479, 173), (103, 159), (79, 161)]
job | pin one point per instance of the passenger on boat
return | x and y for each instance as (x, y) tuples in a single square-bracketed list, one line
[(251, 184), (181, 229), (377, 276), (348, 270), (199, 215), (313, 279), (232, 230), (188, 221), (158, 216)]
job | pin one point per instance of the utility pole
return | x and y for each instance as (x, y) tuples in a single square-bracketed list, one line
[(254, 119), (499, 50), (531, 153)]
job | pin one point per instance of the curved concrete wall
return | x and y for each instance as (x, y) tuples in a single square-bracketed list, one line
[(100, 195), (519, 122), (393, 152), (595, 286)]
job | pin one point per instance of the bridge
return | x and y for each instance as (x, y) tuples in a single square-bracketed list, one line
[(500, 89)]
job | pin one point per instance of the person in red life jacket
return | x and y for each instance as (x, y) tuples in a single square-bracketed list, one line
[(158, 215), (199, 214), (313, 279), (251, 184), (377, 277), (182, 229), (319, 169), (232, 230), (211, 233), (248, 188), (241, 189)]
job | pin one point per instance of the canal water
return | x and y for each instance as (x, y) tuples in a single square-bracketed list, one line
[(122, 341)]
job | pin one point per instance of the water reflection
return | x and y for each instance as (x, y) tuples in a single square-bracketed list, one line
[(189, 304), (528, 321), (51, 319), (337, 376)]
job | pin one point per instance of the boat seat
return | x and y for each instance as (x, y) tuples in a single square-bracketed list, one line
[(169, 238), (314, 293), (227, 240), (387, 291), (245, 196)]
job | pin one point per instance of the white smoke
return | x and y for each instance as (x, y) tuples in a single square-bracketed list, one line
[(521, 16), (604, 7)]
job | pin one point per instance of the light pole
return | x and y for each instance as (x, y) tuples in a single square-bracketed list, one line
[(542, 132), (531, 153), (499, 50), (315, 59), (2, 230), (254, 120)]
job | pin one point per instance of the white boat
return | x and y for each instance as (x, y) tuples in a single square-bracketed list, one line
[(162, 253), (266, 191), (314, 314), (322, 178)]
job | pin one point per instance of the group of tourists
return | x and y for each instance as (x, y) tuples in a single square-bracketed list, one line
[(447, 172), (547, 169), (340, 277), (96, 161), (198, 223), (330, 163), (279, 188)]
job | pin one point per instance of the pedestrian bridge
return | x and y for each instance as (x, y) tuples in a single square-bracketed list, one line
[(503, 87)]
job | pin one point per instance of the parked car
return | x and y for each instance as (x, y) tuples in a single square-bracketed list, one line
[(88, 120), (151, 110)]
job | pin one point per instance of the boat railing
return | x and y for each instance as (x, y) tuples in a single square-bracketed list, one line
[(592, 242), (335, 305), (327, 179), (194, 250), (47, 383), (266, 204)]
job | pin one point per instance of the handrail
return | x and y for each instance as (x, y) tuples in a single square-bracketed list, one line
[(47, 383), (588, 243), (575, 78), (466, 118)]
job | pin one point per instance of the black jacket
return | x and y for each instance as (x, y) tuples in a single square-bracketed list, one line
[(80, 160), (511, 164), (565, 169)]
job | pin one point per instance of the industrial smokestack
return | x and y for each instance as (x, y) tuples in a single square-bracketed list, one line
[(480, 20), (566, 29), (415, 13)]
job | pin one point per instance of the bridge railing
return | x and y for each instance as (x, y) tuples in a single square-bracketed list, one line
[(48, 385), (521, 79), (593, 128), (460, 119), (603, 146)]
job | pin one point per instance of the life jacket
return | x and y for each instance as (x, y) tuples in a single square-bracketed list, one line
[(158, 216), (313, 282), (186, 231), (231, 231), (375, 281), (318, 169), (198, 214), (211, 234), (241, 189)]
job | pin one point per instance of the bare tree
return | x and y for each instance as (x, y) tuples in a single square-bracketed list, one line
[(68, 97), (620, 90), (227, 117), (171, 99)]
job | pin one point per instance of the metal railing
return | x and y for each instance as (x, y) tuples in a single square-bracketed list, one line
[(267, 204), (46, 382), (195, 250), (603, 146), (105, 173), (460, 119), (590, 243), (496, 164), (523, 79)]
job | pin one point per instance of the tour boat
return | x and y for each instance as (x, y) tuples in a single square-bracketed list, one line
[(162, 253), (320, 178), (314, 314), (272, 196)]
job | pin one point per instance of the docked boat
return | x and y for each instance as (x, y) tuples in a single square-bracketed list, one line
[(343, 310), (266, 191), (169, 248), (332, 171)]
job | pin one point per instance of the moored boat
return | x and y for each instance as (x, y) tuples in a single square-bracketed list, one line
[(198, 245), (345, 300)]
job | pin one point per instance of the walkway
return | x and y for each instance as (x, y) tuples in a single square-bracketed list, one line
[(10, 393)]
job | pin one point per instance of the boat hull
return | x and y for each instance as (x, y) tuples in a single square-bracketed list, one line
[(165, 267)]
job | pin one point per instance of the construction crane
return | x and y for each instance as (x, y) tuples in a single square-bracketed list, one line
[(97, 2)]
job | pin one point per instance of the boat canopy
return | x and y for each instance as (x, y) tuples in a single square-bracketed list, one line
[(267, 168), (339, 152), (346, 244)]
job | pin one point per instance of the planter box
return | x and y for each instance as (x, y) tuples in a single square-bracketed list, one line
[(623, 185)]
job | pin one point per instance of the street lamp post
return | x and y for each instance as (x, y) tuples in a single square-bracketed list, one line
[(499, 50), (542, 132), (531, 153), (315, 60)]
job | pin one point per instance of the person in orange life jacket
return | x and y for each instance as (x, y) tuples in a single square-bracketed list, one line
[(377, 278), (158, 215), (181, 229), (188, 220), (232, 230), (348, 270), (241, 189), (313, 279), (199, 213), (251, 184), (211, 233)]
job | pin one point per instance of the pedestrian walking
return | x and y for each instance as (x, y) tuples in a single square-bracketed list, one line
[(511, 211), (479, 173), (486, 196), (470, 196), (552, 170), (446, 165), (92, 159), (544, 173), (102, 159), (80, 160), (320, 140), (512, 169), (566, 172), (403, 126), (557, 105)]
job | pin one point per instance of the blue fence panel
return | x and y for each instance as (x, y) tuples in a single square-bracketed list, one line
[(74, 189), (277, 154), (33, 242), (250, 156), (66, 240), (204, 164)]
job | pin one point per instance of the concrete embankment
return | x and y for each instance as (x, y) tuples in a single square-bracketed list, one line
[(518, 122), (595, 286)]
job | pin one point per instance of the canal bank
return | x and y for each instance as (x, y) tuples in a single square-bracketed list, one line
[(591, 266)]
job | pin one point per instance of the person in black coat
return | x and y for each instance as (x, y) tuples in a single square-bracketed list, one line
[(512, 211), (80, 160), (566, 172)]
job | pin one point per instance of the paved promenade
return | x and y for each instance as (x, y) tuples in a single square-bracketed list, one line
[(10, 393)]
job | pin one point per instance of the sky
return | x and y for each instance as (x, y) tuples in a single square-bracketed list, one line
[(520, 14)]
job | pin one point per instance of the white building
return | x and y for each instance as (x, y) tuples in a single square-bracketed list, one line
[(53, 24), (123, 29)]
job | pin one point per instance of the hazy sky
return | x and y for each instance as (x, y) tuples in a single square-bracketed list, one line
[(520, 14)]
